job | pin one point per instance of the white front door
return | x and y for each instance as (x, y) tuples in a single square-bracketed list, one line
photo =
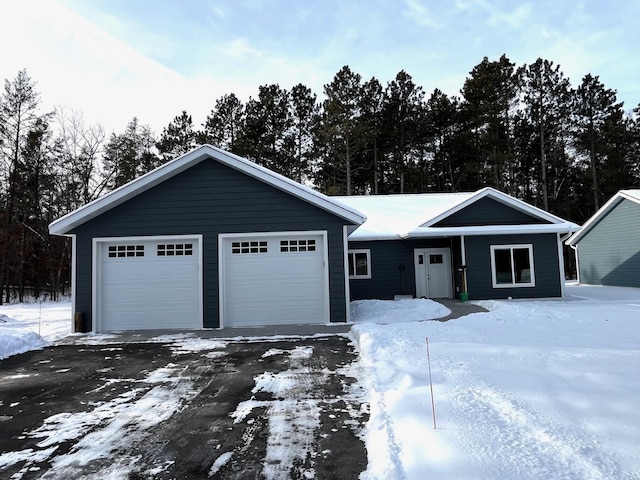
[(433, 272)]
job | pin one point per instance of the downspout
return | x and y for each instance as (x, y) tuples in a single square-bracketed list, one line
[(347, 285), (465, 280), (561, 239), (575, 249)]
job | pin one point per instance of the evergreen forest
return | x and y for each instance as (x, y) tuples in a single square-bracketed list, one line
[(525, 130)]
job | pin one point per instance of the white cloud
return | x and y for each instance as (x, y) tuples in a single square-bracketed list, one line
[(240, 48), (419, 13), (81, 66)]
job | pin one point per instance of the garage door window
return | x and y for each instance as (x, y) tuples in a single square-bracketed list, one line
[(174, 249), (123, 251), (300, 245), (249, 247)]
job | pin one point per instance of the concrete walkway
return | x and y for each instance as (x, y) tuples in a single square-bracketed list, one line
[(458, 308)]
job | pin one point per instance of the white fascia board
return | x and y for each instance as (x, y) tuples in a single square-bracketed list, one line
[(613, 202), (566, 227), (354, 237), (120, 195), (500, 197)]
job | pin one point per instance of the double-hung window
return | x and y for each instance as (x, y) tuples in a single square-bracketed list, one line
[(512, 266), (359, 264)]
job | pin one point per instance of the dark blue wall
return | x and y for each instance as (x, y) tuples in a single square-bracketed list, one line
[(210, 198), (488, 211), (392, 267), (546, 266), (386, 257)]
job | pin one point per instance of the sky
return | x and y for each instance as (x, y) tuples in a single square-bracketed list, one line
[(111, 60)]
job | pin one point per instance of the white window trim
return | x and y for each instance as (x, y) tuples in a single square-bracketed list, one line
[(510, 247), (360, 250)]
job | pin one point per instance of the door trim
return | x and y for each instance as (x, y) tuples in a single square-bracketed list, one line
[(422, 271)]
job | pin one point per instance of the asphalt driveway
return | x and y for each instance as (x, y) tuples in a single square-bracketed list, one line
[(184, 407)]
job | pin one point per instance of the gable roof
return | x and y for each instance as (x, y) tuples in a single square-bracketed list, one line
[(155, 177), (631, 195), (414, 216)]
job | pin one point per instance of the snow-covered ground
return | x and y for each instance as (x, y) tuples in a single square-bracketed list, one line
[(544, 389), (531, 389), (27, 326)]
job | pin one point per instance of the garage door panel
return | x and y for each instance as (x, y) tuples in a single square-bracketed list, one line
[(151, 288), (284, 282)]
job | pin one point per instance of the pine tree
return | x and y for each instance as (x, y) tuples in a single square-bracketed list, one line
[(224, 124), (443, 117), (403, 112), (129, 155), (339, 131), (372, 101), (304, 119), (593, 106), (491, 99), (546, 98), (177, 138)]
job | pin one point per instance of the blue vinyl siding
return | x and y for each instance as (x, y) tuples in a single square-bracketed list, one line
[(210, 198), (546, 266), (392, 267), (487, 211), (609, 253)]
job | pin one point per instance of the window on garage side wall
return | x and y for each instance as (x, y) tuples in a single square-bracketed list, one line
[(512, 266), (359, 264)]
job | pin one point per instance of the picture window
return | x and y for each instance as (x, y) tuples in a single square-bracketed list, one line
[(512, 266)]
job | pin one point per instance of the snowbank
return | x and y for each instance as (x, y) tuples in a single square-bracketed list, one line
[(396, 311), (29, 326)]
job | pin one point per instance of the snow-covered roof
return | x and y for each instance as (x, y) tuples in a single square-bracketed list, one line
[(631, 195), (120, 195), (413, 215)]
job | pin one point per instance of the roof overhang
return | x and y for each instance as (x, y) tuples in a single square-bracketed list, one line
[(502, 198), (67, 223), (631, 195), (565, 227), (447, 232)]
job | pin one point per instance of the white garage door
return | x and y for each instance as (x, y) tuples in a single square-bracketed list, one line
[(272, 280), (149, 284)]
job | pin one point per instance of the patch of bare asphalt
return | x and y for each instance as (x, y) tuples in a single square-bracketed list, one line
[(243, 410)]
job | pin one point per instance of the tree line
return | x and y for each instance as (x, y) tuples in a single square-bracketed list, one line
[(523, 130)]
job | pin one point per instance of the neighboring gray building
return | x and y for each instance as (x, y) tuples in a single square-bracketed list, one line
[(608, 244), (212, 240)]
